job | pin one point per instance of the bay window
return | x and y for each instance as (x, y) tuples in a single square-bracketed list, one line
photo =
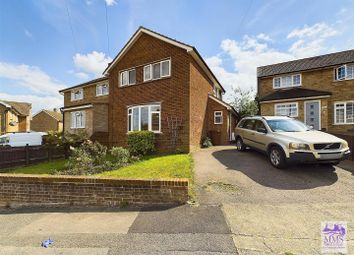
[(157, 70), (287, 81), (344, 113), (128, 77), (286, 109), (144, 117)]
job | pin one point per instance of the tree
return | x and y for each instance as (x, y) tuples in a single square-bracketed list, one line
[(244, 102)]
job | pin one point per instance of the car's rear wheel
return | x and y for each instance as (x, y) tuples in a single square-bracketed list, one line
[(277, 157), (240, 146)]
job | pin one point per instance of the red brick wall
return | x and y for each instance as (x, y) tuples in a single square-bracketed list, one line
[(25, 190), (171, 92)]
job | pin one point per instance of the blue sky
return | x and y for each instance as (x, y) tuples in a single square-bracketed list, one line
[(46, 45)]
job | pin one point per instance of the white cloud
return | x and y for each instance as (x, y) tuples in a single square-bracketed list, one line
[(82, 75), (92, 63), (110, 2), (254, 51), (31, 77), (28, 34)]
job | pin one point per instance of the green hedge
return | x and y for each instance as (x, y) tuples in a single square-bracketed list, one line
[(141, 142)]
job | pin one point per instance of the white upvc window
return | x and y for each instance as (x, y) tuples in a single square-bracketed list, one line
[(287, 109), (345, 72), (344, 113), (218, 117), (157, 70), (102, 89), (78, 119), (144, 117), (77, 94), (287, 81), (127, 77)]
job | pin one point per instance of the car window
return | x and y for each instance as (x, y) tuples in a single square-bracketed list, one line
[(241, 124), (249, 124), (287, 125), (259, 124)]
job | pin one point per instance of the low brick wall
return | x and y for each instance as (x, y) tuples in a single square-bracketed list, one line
[(35, 190)]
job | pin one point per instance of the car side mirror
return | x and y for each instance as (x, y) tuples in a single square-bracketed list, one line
[(262, 130)]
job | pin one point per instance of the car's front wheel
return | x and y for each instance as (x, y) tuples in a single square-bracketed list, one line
[(240, 146), (277, 157)]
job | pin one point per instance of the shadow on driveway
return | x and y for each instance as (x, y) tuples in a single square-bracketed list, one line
[(257, 167)]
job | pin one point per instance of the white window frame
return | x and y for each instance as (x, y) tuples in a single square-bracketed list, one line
[(150, 112), (99, 89), (221, 117), (292, 81), (289, 103), (151, 70), (74, 123), (345, 73), (73, 92), (129, 83), (345, 113)]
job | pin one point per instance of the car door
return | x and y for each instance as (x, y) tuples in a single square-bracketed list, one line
[(260, 135), (248, 132)]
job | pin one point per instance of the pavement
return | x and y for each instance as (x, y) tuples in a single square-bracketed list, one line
[(244, 206)]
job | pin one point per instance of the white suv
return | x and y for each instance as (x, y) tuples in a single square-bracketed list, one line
[(287, 140)]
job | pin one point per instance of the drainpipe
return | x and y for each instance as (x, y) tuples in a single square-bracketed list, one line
[(62, 112)]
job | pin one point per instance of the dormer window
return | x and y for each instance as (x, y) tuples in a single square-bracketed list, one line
[(287, 81), (345, 72), (77, 94)]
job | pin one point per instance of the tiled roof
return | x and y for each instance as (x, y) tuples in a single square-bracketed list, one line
[(22, 108), (293, 93), (85, 83), (56, 115), (322, 61)]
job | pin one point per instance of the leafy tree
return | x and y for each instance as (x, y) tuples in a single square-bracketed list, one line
[(244, 102)]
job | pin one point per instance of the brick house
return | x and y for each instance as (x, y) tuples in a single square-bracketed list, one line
[(159, 84), (15, 116), (317, 90), (46, 120)]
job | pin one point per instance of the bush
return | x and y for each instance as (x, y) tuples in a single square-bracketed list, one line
[(141, 142), (89, 158), (53, 139), (207, 142), (75, 139), (120, 155)]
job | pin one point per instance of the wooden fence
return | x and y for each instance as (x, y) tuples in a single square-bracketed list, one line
[(350, 139), (19, 156)]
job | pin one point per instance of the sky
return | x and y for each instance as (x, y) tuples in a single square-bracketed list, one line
[(47, 45)]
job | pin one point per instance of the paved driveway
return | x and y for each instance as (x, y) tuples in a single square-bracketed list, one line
[(270, 210)]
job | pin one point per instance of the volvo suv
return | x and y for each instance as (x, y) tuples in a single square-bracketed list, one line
[(286, 140)]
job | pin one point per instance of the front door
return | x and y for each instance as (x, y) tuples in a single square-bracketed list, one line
[(312, 114)]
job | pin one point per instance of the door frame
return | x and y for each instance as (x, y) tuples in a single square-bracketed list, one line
[(319, 111)]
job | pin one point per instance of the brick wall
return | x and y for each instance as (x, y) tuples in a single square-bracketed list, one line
[(43, 122), (219, 133), (31, 190), (88, 121)]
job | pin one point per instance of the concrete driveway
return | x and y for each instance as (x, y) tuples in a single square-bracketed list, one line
[(272, 211)]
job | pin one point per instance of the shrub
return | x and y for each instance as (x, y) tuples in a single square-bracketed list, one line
[(89, 158), (207, 142), (120, 155), (75, 139), (53, 139), (141, 142)]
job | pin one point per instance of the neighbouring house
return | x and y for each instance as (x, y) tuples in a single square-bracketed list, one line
[(155, 83), (47, 120), (14, 116), (317, 90)]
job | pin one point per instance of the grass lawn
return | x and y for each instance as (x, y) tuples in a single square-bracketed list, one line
[(40, 168)]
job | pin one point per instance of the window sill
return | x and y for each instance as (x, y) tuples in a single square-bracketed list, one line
[(75, 100), (157, 132), (77, 127), (102, 95), (289, 87), (218, 123), (340, 124)]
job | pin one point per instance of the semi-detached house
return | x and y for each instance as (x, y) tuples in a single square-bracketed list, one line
[(154, 83)]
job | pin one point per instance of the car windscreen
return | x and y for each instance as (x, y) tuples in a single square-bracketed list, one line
[(287, 125)]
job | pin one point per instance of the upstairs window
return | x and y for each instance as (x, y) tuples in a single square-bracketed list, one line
[(344, 113), (287, 81), (128, 77), (217, 93), (218, 119), (144, 117), (102, 90), (77, 94), (345, 72), (78, 119), (157, 70)]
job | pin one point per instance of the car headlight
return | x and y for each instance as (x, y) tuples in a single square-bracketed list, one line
[(299, 146), (345, 144)]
